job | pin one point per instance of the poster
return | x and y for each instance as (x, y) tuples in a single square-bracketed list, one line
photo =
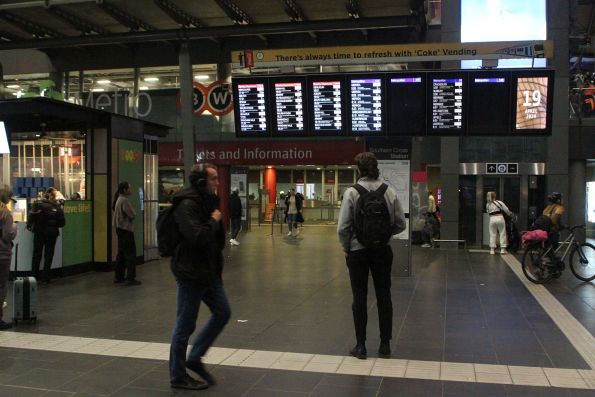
[(396, 174), (239, 181)]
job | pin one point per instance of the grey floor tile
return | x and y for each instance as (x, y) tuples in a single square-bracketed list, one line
[(528, 391), (8, 391), (409, 387), (44, 378), (273, 393), (53, 393), (136, 392), (351, 381), (343, 391), (290, 381)]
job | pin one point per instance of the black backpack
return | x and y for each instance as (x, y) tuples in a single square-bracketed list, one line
[(168, 234), (543, 222), (372, 219)]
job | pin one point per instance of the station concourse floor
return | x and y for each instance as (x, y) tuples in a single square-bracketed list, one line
[(465, 324)]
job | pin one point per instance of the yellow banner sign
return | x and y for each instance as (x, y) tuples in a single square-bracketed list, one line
[(392, 53)]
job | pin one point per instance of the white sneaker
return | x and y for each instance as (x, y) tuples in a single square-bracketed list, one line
[(503, 251), (426, 245), (233, 241), (297, 231), (492, 252), (289, 233), (4, 305)]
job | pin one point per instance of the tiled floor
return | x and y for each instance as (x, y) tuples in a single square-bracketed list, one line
[(464, 324)]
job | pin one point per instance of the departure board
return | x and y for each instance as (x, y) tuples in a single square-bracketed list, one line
[(327, 106), (489, 104), (447, 104), (406, 101), (366, 104), (532, 103), (289, 106), (251, 113)]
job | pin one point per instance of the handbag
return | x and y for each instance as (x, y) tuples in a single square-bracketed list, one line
[(299, 218)]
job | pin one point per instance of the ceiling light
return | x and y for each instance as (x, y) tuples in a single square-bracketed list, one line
[(143, 88), (201, 77), (103, 81), (151, 79), (13, 86), (318, 168), (97, 89)]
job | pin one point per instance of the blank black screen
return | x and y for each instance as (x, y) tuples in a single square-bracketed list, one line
[(406, 96), (489, 104)]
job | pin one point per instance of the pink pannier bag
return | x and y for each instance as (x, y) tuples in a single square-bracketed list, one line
[(534, 236)]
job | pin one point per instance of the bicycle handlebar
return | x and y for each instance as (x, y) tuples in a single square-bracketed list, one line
[(573, 228)]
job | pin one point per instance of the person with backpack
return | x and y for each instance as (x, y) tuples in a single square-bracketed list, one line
[(45, 220), (370, 215), (197, 264), (497, 209), (124, 214), (554, 212)]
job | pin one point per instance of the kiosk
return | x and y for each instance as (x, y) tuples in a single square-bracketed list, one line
[(84, 153)]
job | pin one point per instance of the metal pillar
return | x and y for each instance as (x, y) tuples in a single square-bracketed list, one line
[(186, 96)]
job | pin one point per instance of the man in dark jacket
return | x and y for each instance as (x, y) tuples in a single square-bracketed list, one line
[(235, 214), (45, 220), (197, 264)]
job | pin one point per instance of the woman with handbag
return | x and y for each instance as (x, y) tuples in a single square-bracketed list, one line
[(293, 209), (497, 211)]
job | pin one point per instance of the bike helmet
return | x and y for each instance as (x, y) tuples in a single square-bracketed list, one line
[(555, 197)]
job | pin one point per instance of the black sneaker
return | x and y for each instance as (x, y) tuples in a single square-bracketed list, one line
[(119, 281), (359, 351), (384, 350), (133, 282), (4, 325), (199, 368), (189, 383)]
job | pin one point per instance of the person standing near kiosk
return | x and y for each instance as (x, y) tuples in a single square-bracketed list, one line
[(8, 232)]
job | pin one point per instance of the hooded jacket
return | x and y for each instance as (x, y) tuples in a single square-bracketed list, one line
[(198, 257), (8, 232), (46, 217)]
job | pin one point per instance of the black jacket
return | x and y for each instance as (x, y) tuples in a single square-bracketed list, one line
[(235, 206), (198, 257), (46, 217), (298, 202)]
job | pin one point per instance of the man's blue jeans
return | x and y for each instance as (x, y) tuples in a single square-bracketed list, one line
[(189, 298)]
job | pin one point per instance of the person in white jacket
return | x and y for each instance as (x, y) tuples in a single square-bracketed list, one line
[(496, 209)]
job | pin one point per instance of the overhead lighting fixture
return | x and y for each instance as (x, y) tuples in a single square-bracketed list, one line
[(151, 79), (143, 88), (97, 89), (104, 81), (202, 77), (13, 86)]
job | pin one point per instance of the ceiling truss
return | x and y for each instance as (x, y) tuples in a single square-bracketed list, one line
[(81, 24), (177, 14), (37, 30), (235, 13), (124, 18)]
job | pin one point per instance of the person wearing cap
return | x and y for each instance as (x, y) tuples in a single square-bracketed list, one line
[(45, 220), (235, 214), (8, 232)]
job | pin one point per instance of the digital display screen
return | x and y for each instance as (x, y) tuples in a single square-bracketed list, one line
[(4, 147), (531, 103), (327, 106), (366, 104), (489, 106), (251, 108), (406, 96), (447, 104), (289, 106)]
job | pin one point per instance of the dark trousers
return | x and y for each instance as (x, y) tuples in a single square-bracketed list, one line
[(43, 244), (378, 262), (189, 298), (126, 259), (4, 271), (236, 225)]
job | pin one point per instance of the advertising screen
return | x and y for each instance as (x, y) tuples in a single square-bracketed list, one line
[(531, 103), (250, 106), (446, 107), (289, 108), (327, 107), (366, 99), (406, 104), (489, 106), (4, 148)]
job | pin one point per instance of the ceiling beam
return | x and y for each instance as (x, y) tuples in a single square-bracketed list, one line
[(293, 11), (7, 36), (335, 25), (235, 13), (28, 26), (13, 5), (130, 21), (81, 24), (177, 14)]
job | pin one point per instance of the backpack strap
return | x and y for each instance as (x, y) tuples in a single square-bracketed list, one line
[(360, 189), (382, 189)]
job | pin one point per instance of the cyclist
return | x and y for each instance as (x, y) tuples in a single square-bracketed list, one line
[(554, 211)]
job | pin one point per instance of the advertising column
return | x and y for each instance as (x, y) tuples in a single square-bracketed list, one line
[(394, 163)]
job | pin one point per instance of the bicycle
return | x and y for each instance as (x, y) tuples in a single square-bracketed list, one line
[(540, 264)]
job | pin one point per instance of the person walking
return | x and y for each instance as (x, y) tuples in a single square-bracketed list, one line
[(45, 220), (364, 236), (235, 214), (197, 265), (293, 207), (8, 232), (123, 219), (496, 209)]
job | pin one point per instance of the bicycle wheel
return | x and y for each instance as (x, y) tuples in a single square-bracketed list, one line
[(582, 262), (534, 264)]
